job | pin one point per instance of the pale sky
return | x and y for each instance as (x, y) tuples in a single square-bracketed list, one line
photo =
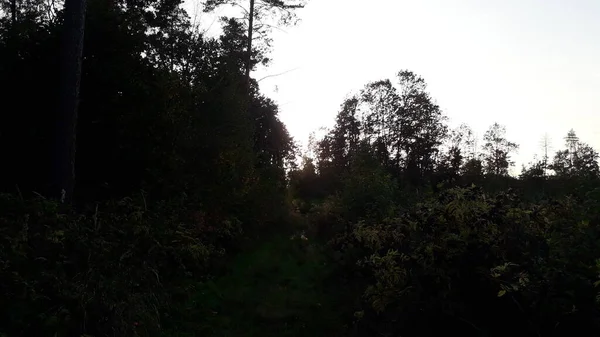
[(531, 65)]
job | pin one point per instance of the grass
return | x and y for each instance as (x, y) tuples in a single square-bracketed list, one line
[(277, 288)]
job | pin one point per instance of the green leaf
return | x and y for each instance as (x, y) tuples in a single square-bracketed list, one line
[(501, 293)]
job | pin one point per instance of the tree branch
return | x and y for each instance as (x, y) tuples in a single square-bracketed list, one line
[(279, 74)]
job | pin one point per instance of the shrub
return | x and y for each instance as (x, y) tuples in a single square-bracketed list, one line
[(466, 262), (112, 270)]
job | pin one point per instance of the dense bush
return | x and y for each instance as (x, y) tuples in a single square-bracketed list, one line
[(114, 270), (466, 262)]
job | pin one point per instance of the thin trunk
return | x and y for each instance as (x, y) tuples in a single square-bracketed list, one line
[(250, 31), (13, 11), (71, 59)]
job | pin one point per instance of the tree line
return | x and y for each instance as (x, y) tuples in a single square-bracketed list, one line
[(401, 125), (431, 235)]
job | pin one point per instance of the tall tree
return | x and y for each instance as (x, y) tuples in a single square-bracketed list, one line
[(572, 141), (13, 11), (459, 143), (401, 123), (578, 159), (585, 161), (72, 50), (546, 145), (378, 102), (336, 150), (497, 150), (256, 10), (420, 125)]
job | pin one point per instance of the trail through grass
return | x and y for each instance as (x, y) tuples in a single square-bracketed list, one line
[(278, 288)]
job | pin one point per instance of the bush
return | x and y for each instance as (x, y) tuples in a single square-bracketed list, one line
[(466, 262), (115, 269), (326, 219), (368, 190)]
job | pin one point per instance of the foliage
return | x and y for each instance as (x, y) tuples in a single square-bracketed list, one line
[(497, 151), (280, 286), (368, 190), (116, 269), (400, 122), (469, 261), (165, 115), (163, 109), (578, 160), (426, 255), (267, 14)]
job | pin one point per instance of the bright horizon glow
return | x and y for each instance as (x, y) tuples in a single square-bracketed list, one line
[(530, 65)]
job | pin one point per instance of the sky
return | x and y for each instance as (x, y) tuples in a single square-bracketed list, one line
[(531, 65)]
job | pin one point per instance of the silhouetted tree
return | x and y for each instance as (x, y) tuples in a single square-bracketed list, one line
[(401, 123), (546, 145), (420, 126), (163, 109), (536, 170), (257, 9), (497, 150), (578, 160), (72, 50), (459, 144)]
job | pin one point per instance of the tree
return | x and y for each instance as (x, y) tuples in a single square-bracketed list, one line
[(536, 170), (473, 169), (546, 146), (577, 160), (459, 144), (368, 190), (497, 150), (562, 165), (163, 109), (72, 44), (13, 11), (572, 141), (402, 125), (420, 126), (304, 182), (585, 162), (346, 133), (257, 9), (336, 150)]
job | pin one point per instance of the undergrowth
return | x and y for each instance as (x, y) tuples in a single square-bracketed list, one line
[(116, 269)]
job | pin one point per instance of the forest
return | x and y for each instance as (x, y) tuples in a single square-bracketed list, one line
[(149, 188)]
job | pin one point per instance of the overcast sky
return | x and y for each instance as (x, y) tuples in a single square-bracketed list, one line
[(532, 65)]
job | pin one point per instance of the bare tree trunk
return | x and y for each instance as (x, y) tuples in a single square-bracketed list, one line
[(13, 12), (71, 59), (250, 30)]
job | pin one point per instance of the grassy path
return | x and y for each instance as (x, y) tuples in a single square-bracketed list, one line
[(278, 288)]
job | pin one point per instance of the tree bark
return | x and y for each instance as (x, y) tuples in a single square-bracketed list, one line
[(250, 31), (13, 12), (71, 59)]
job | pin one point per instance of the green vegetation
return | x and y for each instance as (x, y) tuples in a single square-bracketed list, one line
[(183, 211), (278, 288), (116, 268)]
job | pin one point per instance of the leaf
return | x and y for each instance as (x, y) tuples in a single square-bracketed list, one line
[(501, 293), (597, 283)]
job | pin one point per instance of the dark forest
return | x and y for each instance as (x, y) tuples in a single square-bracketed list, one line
[(149, 188)]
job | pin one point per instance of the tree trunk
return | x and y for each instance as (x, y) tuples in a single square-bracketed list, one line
[(250, 30), (13, 12), (71, 59)]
